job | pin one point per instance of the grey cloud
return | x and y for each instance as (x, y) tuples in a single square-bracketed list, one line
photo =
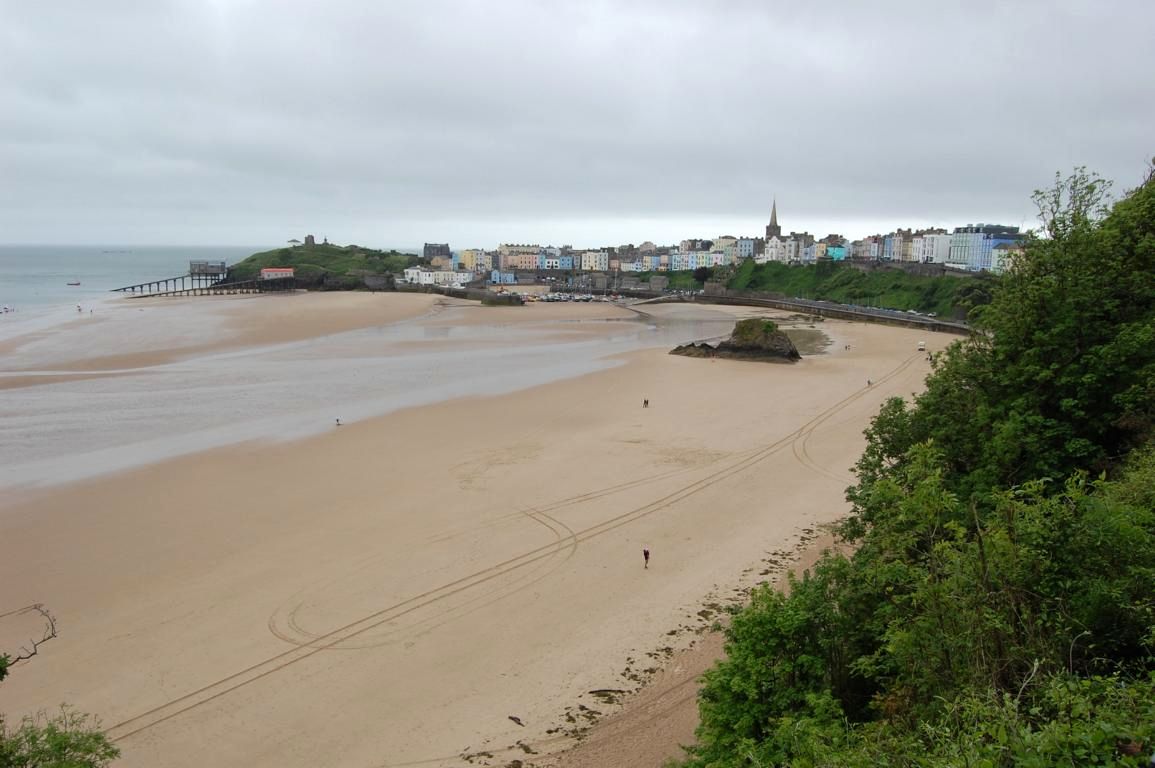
[(374, 119)]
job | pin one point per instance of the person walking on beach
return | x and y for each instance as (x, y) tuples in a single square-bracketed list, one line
[(646, 403), (646, 558), (338, 422)]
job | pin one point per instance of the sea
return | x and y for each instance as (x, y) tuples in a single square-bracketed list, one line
[(78, 427), (34, 278)]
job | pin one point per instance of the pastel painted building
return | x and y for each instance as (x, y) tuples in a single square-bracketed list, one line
[(721, 242), (522, 261), (974, 244), (515, 256), (1003, 256), (475, 260), (745, 248), (595, 261), (868, 248)]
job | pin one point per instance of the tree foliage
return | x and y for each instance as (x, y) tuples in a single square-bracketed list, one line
[(1060, 376), (702, 274), (999, 607), (67, 740)]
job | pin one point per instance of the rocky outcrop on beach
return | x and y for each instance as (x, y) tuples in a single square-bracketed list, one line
[(753, 339)]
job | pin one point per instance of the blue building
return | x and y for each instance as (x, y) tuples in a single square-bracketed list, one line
[(973, 244), (888, 247), (497, 277)]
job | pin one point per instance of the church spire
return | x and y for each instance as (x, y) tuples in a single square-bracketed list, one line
[(773, 230)]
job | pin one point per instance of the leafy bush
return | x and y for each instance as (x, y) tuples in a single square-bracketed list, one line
[(67, 740), (992, 614)]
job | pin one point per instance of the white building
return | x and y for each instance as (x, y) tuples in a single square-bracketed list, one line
[(778, 248), (930, 249), (595, 261), (419, 276), (451, 278)]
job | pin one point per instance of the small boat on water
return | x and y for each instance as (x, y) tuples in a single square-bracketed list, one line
[(73, 282)]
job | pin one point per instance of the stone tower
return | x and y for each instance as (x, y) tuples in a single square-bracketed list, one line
[(772, 229)]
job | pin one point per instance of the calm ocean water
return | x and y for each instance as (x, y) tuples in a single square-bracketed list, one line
[(34, 278)]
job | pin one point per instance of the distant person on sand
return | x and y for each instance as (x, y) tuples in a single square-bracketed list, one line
[(869, 382), (338, 422), (646, 558), (646, 403)]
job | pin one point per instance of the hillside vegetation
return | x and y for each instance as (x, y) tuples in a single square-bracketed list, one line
[(325, 266), (949, 297), (999, 607)]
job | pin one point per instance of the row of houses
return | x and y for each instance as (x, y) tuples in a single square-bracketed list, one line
[(974, 247)]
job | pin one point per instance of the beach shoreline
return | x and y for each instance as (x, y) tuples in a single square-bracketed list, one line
[(452, 579)]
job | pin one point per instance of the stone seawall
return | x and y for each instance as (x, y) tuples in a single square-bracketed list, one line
[(835, 311)]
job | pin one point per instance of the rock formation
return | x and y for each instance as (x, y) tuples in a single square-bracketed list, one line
[(752, 339)]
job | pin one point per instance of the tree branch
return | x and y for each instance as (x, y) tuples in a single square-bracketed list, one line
[(49, 633)]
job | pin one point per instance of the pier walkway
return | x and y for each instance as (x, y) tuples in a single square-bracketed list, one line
[(205, 278), (179, 286)]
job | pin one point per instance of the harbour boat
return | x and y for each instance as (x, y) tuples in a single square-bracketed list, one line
[(73, 282)]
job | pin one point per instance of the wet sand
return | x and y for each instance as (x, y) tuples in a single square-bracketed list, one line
[(443, 585)]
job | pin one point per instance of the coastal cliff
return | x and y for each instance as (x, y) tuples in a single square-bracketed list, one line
[(753, 339)]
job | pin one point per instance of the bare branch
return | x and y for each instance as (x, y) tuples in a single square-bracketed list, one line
[(49, 633)]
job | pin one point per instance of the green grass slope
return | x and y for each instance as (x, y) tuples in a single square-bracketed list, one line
[(325, 264), (949, 297)]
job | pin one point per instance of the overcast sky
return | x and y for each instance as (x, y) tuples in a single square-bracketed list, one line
[(392, 123)]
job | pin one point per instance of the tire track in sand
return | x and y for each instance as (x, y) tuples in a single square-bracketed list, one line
[(260, 670)]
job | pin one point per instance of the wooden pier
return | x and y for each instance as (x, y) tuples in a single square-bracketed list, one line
[(279, 285), (205, 278)]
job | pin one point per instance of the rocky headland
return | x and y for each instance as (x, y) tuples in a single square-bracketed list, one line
[(752, 339)]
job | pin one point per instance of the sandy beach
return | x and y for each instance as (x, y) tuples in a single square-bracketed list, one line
[(451, 577)]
